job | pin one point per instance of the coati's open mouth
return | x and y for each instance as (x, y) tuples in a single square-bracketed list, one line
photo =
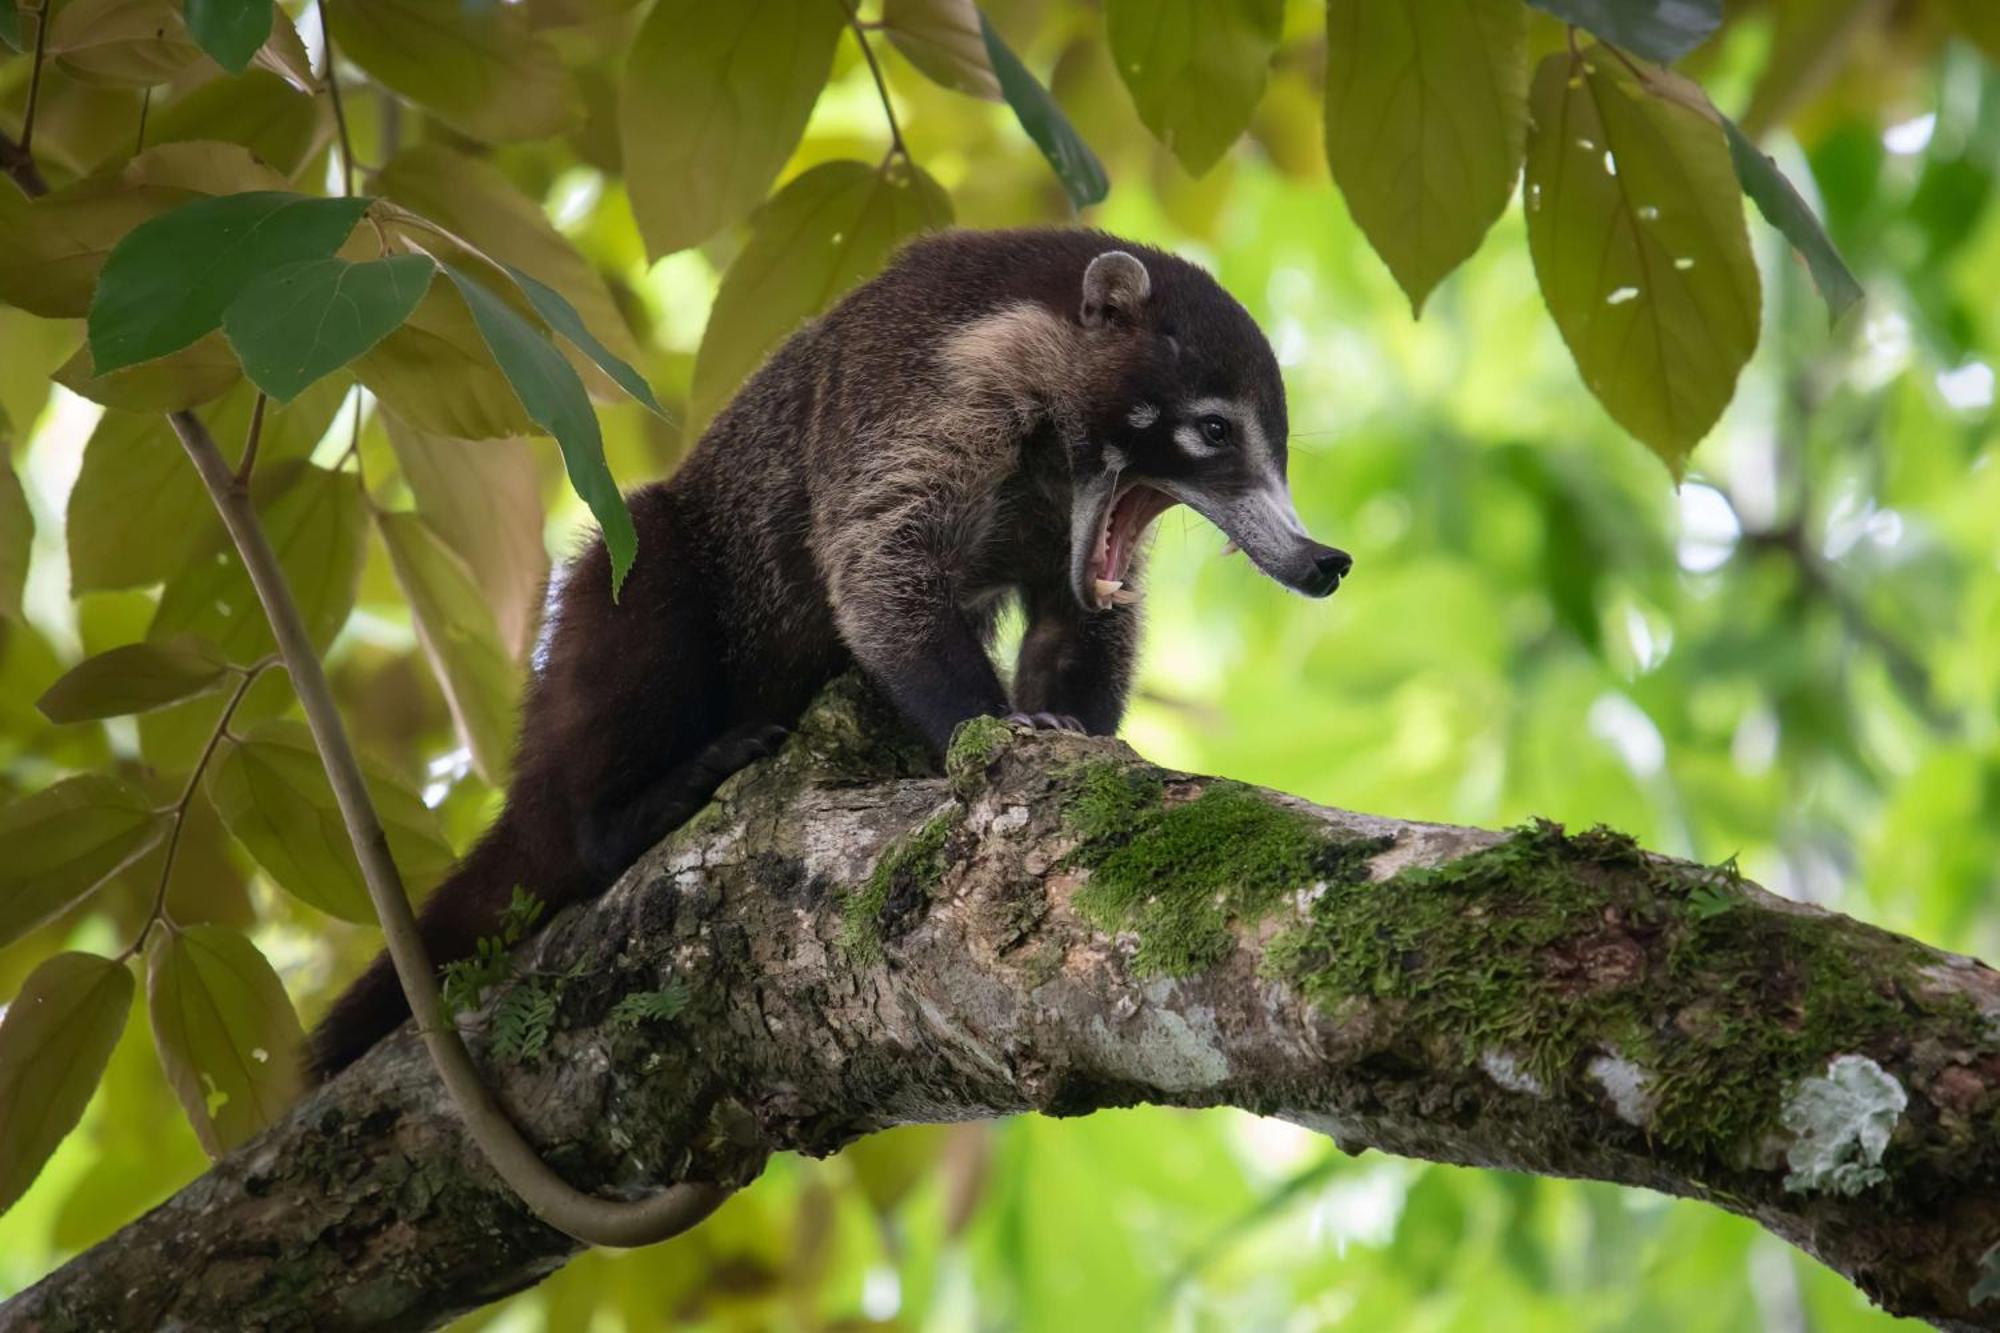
[(1120, 528)]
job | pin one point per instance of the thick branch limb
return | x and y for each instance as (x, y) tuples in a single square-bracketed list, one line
[(1058, 926)]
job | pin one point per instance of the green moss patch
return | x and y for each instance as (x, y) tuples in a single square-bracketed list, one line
[(977, 743), (904, 877), (1553, 948), (1179, 876)]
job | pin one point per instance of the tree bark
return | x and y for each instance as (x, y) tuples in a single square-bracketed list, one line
[(1055, 925)]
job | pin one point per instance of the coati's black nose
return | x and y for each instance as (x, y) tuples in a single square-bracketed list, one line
[(1330, 567)]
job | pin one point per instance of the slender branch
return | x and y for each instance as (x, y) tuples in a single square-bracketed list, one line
[(159, 909), (41, 13), (866, 945), (896, 146), (145, 110), (339, 107), (21, 169), (597, 1220), (250, 440)]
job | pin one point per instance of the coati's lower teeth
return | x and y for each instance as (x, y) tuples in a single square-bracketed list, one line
[(1107, 588), (1124, 597)]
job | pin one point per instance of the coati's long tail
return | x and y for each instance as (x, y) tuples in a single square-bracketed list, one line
[(461, 910)]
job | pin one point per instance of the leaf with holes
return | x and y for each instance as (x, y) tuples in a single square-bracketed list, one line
[(228, 1038), (943, 39), (231, 31), (456, 630), (1636, 226), (169, 281), (306, 320), (55, 1040), (64, 841), (1782, 207), (826, 231), (271, 791), (1196, 68), (552, 394), (136, 678), (1663, 30), (713, 102), (1081, 174), (1426, 122)]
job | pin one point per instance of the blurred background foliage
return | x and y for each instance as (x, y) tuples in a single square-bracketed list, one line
[(1793, 658)]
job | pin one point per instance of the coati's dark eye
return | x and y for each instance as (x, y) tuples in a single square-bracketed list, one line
[(1214, 429)]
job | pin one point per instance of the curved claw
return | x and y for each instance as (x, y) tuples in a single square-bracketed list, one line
[(1047, 721)]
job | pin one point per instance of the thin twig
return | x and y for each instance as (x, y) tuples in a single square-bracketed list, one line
[(896, 145), (145, 109), (18, 165), (250, 442), (180, 806), (339, 107), (41, 13)]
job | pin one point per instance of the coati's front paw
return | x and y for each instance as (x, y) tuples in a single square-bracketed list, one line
[(737, 751), (1047, 721)]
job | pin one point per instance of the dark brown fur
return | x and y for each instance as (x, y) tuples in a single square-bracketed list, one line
[(873, 494)]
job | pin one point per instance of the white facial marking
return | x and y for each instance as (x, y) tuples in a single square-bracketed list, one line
[(1142, 416), (1242, 419)]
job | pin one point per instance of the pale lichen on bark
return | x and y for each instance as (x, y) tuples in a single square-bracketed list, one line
[(1055, 925)]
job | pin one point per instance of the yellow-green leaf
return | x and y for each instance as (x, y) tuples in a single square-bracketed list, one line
[(272, 794), (227, 1034), (715, 98), (1196, 68), (55, 1040), (942, 39), (52, 248), (316, 522), (135, 678), (285, 55), (65, 840), (479, 67), (138, 514), (436, 373), (259, 110), (1426, 121), (480, 682), (136, 43), (17, 533), (823, 233), (1635, 221), (196, 374), (484, 498)]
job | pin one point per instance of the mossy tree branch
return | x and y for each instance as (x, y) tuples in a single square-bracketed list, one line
[(1056, 925)]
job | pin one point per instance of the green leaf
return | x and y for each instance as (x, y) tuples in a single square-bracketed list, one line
[(1662, 30), (168, 282), (55, 1040), (713, 102), (300, 322), (483, 497), (481, 206), (824, 232), (121, 43), (17, 534), (272, 794), (259, 111), (10, 25), (1081, 174), (52, 248), (231, 31), (1426, 122), (1196, 68), (480, 683), (552, 394), (1782, 207), (138, 514), (228, 1037), (479, 67), (436, 373), (136, 678), (316, 522), (65, 840), (1647, 271), (943, 39), (561, 316)]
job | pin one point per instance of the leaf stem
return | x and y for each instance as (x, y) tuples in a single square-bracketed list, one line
[(896, 145), (145, 110), (180, 806), (339, 107), (41, 13), (250, 441)]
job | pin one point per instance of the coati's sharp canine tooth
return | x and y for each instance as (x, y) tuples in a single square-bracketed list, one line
[(1124, 597), (1107, 589)]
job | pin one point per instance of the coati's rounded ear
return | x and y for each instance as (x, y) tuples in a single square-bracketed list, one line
[(1115, 288)]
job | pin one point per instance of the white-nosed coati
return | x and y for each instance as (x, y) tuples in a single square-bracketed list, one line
[(997, 413)]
